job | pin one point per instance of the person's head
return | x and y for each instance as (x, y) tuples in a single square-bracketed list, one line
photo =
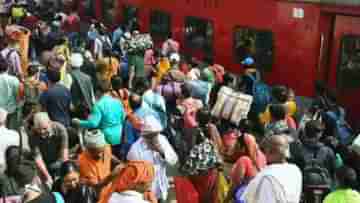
[(203, 117), (141, 86), (42, 124), (313, 130), (276, 148), (95, 144), (4, 65), (277, 112), (104, 86), (174, 58), (76, 60), (54, 76), (70, 176), (280, 93), (33, 70), (185, 91), (246, 126), (137, 175), (116, 83), (346, 177), (151, 129), (3, 117), (135, 101)]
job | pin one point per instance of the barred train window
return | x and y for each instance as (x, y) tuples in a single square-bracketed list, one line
[(109, 11), (256, 43), (89, 7), (348, 71), (160, 24), (199, 34), (130, 16)]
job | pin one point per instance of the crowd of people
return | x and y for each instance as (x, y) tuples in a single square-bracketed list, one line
[(96, 115)]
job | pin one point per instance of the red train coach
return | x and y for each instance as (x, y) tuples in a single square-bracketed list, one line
[(295, 43)]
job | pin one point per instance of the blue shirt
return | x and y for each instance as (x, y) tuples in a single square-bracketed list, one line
[(56, 100), (107, 115)]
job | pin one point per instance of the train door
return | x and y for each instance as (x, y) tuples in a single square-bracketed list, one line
[(345, 63)]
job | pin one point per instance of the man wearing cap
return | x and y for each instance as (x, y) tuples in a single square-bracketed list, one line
[(155, 148), (82, 90), (95, 162)]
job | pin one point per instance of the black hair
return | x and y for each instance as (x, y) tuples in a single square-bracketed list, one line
[(54, 76), (68, 167), (203, 117), (312, 128), (347, 177), (277, 111), (32, 70), (246, 126), (135, 103), (185, 91), (141, 85), (280, 93), (116, 83)]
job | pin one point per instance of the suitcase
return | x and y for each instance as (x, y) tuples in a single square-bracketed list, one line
[(185, 191)]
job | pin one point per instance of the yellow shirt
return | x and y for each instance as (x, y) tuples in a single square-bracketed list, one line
[(163, 68)]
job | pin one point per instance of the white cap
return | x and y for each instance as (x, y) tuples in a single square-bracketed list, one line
[(175, 57), (151, 125)]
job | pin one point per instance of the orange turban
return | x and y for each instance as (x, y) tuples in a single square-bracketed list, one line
[(135, 172)]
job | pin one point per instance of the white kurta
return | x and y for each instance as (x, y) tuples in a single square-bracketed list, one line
[(275, 183), (140, 151)]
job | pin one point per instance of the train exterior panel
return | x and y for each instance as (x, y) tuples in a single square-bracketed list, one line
[(308, 40)]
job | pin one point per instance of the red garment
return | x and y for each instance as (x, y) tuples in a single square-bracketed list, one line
[(205, 185), (246, 163), (291, 122)]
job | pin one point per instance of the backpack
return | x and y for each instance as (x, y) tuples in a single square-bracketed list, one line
[(31, 92), (342, 129), (261, 95), (314, 173)]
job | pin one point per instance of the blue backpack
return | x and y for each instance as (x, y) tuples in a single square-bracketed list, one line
[(261, 95), (342, 129)]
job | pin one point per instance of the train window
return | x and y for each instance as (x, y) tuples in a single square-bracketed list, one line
[(89, 7), (348, 74), (160, 24), (199, 34), (130, 17), (109, 11), (256, 43)]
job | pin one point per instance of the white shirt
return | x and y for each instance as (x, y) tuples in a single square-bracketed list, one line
[(128, 196), (276, 183), (140, 151), (8, 138)]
